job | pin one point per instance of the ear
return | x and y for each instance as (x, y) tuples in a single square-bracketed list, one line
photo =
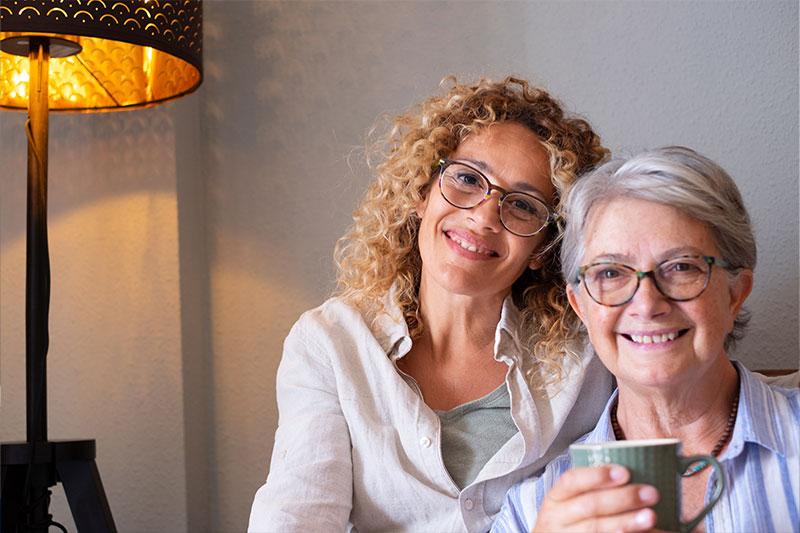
[(538, 259), (574, 302), (739, 291)]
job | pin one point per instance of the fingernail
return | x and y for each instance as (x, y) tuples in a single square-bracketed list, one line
[(648, 494), (617, 473), (643, 517)]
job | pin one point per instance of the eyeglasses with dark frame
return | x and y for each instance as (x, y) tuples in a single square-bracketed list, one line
[(466, 187), (680, 279)]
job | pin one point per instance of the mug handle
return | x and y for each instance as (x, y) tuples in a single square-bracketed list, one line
[(685, 462)]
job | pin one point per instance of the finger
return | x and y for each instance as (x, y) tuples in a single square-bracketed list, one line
[(641, 520), (594, 507), (609, 502), (580, 480)]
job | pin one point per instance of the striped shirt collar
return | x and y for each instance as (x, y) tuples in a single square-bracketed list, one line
[(754, 422)]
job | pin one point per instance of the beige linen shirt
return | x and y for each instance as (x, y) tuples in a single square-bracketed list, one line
[(357, 448)]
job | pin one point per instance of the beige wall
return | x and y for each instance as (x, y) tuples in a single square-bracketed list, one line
[(187, 238)]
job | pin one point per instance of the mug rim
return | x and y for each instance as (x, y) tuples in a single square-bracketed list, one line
[(624, 444)]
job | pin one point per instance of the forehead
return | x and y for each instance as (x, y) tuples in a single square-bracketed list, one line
[(510, 154), (641, 230)]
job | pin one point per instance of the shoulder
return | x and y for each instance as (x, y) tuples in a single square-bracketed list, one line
[(332, 311), (338, 330), (318, 330), (755, 391), (340, 315), (768, 412)]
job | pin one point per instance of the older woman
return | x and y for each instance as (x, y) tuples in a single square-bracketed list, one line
[(659, 256), (447, 368)]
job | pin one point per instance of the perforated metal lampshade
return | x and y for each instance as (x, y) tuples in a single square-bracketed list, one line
[(104, 54)]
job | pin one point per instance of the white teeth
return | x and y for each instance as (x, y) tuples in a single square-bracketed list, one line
[(470, 247), (650, 339)]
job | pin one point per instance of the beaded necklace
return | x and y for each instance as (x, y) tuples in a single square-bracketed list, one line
[(723, 440)]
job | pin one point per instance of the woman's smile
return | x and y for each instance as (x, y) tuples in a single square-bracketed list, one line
[(470, 243), (654, 337)]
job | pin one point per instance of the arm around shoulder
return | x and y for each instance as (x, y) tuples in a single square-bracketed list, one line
[(309, 486)]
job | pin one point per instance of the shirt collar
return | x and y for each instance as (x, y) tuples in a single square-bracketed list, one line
[(390, 328), (391, 331), (506, 343), (603, 431), (753, 418)]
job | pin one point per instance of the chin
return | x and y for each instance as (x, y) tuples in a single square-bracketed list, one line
[(656, 376)]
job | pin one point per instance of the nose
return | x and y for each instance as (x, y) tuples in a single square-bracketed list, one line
[(487, 214), (648, 301)]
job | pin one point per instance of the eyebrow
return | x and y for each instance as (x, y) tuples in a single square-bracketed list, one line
[(663, 256), (518, 186)]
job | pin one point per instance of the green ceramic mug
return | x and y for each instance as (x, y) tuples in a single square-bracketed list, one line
[(656, 462)]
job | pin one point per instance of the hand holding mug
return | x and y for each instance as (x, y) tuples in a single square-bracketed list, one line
[(597, 498), (654, 462)]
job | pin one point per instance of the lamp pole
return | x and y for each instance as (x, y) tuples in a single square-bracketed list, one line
[(30, 468), (162, 50), (37, 274), (37, 284)]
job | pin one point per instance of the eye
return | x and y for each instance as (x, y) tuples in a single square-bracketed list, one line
[(468, 179), (524, 207), (608, 273), (464, 179), (682, 267)]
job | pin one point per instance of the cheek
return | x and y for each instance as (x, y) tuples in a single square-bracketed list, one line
[(423, 204), (715, 324), (601, 326), (717, 315), (424, 237)]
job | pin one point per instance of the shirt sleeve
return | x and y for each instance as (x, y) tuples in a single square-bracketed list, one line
[(309, 486), (511, 519), (521, 505)]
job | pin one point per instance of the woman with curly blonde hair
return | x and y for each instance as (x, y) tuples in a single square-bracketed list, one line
[(448, 366)]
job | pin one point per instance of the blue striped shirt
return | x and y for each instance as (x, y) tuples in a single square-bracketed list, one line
[(761, 464)]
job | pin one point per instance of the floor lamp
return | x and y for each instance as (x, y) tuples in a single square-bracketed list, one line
[(61, 56)]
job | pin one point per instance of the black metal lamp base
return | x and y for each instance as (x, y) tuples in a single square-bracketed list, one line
[(43, 464)]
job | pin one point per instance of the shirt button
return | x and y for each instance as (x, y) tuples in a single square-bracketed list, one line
[(425, 442), (468, 505)]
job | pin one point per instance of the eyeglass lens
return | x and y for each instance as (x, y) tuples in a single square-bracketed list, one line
[(465, 187), (680, 278)]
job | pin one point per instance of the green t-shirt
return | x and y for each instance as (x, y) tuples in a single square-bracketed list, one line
[(473, 432)]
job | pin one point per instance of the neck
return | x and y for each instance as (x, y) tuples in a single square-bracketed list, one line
[(697, 411), (459, 324), (453, 361)]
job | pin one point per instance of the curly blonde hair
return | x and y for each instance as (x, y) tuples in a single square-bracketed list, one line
[(380, 248)]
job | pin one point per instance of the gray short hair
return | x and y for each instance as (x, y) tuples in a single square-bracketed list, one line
[(674, 176)]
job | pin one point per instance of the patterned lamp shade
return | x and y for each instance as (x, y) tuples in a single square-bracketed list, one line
[(104, 54)]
